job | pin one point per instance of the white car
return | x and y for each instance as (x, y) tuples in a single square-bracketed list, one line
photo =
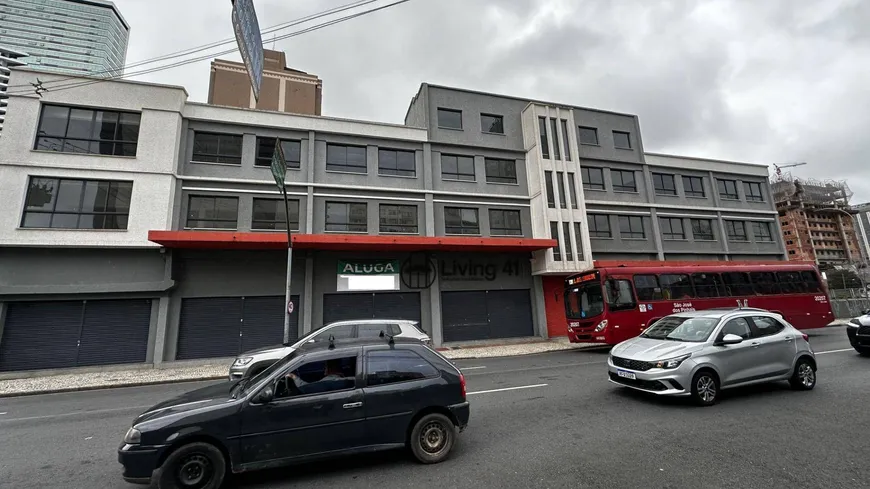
[(858, 331)]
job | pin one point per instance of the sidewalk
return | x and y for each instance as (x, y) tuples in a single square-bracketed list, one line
[(187, 372)]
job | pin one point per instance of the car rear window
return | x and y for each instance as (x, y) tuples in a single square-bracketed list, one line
[(392, 366)]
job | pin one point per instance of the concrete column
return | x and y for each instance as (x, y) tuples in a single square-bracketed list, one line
[(160, 327), (714, 188), (657, 233), (309, 200), (538, 306), (435, 304), (308, 296), (648, 184), (429, 211), (724, 235), (249, 150)]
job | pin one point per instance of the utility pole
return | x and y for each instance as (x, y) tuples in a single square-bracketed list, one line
[(279, 171)]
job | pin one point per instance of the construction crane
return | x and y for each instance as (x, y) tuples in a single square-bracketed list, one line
[(779, 168)]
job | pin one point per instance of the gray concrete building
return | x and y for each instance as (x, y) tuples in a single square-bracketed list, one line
[(862, 228), (161, 236), (8, 58)]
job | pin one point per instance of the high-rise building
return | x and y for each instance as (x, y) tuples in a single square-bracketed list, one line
[(76, 37), (8, 58), (284, 89), (862, 221)]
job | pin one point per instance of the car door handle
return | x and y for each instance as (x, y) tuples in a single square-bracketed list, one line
[(754, 345), (352, 405), (788, 338)]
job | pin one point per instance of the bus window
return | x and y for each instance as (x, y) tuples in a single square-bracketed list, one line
[(708, 284), (676, 287), (619, 295), (584, 301), (737, 284), (811, 282), (647, 287), (764, 283), (791, 282)]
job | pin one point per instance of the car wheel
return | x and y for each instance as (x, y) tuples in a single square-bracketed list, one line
[(705, 388), (193, 466), (863, 350), (432, 438), (804, 376)]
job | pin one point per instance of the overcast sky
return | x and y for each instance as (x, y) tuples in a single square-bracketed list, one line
[(772, 81)]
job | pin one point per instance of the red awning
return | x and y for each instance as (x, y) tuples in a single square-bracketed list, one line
[(343, 242)]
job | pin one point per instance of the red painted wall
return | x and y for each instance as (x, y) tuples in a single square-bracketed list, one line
[(554, 286)]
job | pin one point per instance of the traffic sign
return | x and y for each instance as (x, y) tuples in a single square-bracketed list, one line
[(279, 164), (290, 307), (247, 30)]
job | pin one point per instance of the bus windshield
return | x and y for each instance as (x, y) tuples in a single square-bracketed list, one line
[(584, 301)]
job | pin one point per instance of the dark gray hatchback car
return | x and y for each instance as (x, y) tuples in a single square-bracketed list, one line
[(320, 401)]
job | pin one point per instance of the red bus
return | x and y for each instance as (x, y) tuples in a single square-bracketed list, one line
[(613, 303)]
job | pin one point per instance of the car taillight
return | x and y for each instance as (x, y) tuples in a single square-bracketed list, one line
[(806, 337), (462, 384)]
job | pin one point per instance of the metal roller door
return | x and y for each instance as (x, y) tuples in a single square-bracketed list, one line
[(62, 334), (263, 323), (489, 314), (386, 305)]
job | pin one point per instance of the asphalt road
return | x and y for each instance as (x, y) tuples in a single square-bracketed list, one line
[(565, 427)]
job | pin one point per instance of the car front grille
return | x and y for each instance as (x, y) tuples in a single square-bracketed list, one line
[(632, 364), (650, 385)]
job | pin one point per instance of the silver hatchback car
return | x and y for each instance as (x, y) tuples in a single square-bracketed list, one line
[(700, 353), (253, 362)]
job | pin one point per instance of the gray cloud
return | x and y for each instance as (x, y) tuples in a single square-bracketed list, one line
[(766, 82)]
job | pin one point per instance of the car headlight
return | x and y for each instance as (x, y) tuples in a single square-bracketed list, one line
[(855, 322), (241, 362), (601, 326), (133, 437), (671, 362)]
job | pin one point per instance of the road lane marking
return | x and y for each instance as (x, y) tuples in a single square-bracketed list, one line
[(834, 351), (78, 413), (470, 368), (508, 389), (539, 367)]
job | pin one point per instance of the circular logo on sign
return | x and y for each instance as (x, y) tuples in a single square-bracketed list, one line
[(290, 307), (419, 271)]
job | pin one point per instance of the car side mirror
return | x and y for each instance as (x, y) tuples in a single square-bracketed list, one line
[(730, 339), (265, 396)]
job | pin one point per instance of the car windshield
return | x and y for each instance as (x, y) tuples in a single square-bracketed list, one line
[(676, 328), (585, 301), (246, 384)]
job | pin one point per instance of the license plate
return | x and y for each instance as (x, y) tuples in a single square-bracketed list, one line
[(626, 375)]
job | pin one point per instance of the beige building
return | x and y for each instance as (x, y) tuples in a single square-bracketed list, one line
[(284, 89)]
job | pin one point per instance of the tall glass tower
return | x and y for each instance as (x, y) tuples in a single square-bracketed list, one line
[(76, 37)]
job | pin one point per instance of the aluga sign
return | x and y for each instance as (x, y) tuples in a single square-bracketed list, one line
[(368, 267)]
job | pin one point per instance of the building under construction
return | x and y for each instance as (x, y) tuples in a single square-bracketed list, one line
[(817, 220)]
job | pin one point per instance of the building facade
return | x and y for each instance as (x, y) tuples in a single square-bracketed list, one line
[(165, 240), (8, 58), (283, 89), (74, 37), (862, 223)]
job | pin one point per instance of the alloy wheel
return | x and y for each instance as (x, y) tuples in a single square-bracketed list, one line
[(806, 375), (706, 388)]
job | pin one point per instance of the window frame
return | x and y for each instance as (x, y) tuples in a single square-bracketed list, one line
[(461, 225), (656, 289), (455, 176), (545, 145), (79, 213), (549, 188), (201, 157), (567, 140), (663, 190), (504, 212), (758, 332), (700, 235), (283, 222), (560, 184), (62, 139), (566, 232), (627, 137), (631, 232), (594, 230), (733, 227), (438, 112), (557, 150), (594, 132), (690, 191), (722, 185), (622, 187), (588, 184), (215, 198), (572, 190), (750, 195), (763, 238), (667, 229), (294, 161), (348, 224), (500, 165), (497, 118), (367, 373), (397, 172), (416, 227), (344, 167), (554, 234), (315, 359)]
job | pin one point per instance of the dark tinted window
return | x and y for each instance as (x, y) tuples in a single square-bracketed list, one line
[(492, 123), (450, 119), (346, 158), (461, 220), (572, 190), (77, 204), (761, 231), (672, 228), (676, 287), (217, 148), (664, 184), (791, 282), (266, 149), (599, 226), (693, 186), (343, 332), (567, 140), (647, 287), (554, 234), (560, 183), (318, 377), (505, 222), (551, 195), (556, 145), (737, 283), (621, 140), (346, 217), (73, 130), (457, 167), (811, 281), (631, 227), (588, 135), (566, 232), (736, 230), (727, 189), (397, 163), (767, 326), (623, 181), (593, 178), (398, 218), (765, 283), (270, 214), (619, 295), (702, 229), (373, 330), (708, 285), (545, 146), (206, 212), (392, 366), (753, 191), (737, 326), (500, 171)]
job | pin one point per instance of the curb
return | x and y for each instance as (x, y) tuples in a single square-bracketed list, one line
[(109, 386)]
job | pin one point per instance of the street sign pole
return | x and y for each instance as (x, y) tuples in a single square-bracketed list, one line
[(279, 171)]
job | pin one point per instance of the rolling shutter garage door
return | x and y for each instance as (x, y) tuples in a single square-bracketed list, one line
[(482, 315), (213, 327), (62, 334), (389, 305)]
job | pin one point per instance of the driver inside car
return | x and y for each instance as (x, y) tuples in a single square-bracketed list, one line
[(332, 375)]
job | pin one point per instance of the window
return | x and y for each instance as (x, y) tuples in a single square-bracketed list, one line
[(727, 189), (346, 158), (736, 231), (791, 282), (761, 231), (588, 135), (737, 326), (811, 282), (457, 168), (623, 181), (676, 287), (647, 287), (631, 227), (708, 284), (548, 183), (694, 187), (578, 240), (461, 220), (318, 377), (767, 326), (556, 146), (765, 283), (545, 147), (343, 332), (63, 203), (505, 222), (397, 163), (753, 191), (593, 178), (206, 212), (567, 140), (492, 123), (554, 234), (599, 226), (449, 118), (566, 232), (619, 295), (266, 149), (572, 190), (398, 218), (373, 330), (672, 228), (99, 132), (737, 284), (621, 140), (217, 148), (500, 171), (392, 366), (269, 214), (560, 182), (350, 217), (702, 229), (664, 184)]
